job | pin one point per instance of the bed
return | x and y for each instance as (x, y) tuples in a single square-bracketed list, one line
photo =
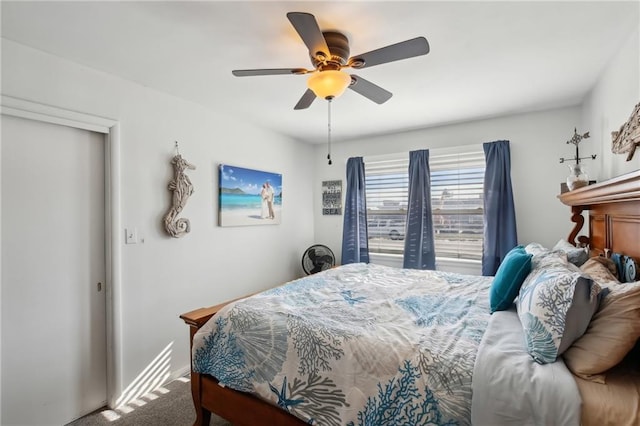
[(435, 382)]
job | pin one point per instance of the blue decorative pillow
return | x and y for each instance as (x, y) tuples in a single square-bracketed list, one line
[(555, 305), (506, 284)]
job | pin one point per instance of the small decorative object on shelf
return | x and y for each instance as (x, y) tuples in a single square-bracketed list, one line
[(182, 190), (627, 139), (577, 177)]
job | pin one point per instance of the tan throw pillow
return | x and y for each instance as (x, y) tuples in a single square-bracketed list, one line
[(601, 270), (612, 333)]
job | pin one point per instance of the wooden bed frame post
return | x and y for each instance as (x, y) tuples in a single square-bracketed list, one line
[(576, 217), (195, 320), (203, 416)]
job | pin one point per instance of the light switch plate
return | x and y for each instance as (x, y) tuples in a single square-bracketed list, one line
[(131, 236)]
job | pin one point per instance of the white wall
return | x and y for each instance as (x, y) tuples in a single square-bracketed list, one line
[(537, 143), (164, 277), (609, 105)]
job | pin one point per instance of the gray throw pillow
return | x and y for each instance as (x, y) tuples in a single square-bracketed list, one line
[(575, 255)]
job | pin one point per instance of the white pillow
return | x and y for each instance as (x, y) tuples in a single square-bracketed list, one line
[(575, 255)]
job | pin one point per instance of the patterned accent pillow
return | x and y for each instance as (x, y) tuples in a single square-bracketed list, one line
[(601, 270), (555, 305)]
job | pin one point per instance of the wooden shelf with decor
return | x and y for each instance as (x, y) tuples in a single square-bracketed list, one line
[(621, 195)]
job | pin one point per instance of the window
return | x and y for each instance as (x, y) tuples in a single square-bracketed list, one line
[(457, 182), (387, 184), (457, 177)]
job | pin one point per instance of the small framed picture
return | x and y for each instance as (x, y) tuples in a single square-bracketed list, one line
[(332, 197)]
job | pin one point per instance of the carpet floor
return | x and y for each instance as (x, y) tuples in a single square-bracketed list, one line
[(170, 405)]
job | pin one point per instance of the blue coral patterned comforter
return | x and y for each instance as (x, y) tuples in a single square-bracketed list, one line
[(361, 344)]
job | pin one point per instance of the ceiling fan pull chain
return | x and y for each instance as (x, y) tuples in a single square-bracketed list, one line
[(329, 131)]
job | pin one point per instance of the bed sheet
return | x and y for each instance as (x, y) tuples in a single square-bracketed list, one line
[(510, 389), (360, 344)]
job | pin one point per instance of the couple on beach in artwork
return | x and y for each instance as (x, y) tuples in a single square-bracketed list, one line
[(249, 197), (267, 195)]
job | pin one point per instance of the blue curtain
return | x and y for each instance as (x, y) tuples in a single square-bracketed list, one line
[(499, 212), (355, 242), (419, 252)]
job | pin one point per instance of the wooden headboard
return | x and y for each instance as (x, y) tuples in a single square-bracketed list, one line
[(614, 215)]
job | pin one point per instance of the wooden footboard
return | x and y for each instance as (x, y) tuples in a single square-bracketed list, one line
[(239, 408)]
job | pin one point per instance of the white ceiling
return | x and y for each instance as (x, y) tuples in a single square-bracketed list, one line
[(487, 58)]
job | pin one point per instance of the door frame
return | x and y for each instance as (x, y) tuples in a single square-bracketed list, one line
[(22, 108)]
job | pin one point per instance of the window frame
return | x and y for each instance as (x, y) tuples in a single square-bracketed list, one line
[(394, 256)]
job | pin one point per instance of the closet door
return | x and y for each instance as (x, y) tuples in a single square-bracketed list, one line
[(53, 272)]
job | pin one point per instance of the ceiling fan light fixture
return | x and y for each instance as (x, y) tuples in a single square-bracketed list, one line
[(329, 84)]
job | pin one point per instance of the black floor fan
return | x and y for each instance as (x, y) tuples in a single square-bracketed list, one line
[(317, 258)]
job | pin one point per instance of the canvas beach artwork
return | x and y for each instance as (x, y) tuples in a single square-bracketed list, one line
[(248, 196)]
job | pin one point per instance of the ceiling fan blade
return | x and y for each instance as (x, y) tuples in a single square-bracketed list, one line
[(369, 90), (306, 100), (394, 52), (269, 71), (309, 31)]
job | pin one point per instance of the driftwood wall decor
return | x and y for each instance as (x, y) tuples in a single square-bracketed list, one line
[(627, 139), (182, 190)]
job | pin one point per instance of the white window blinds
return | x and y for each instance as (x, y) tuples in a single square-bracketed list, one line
[(387, 184), (457, 204), (457, 177)]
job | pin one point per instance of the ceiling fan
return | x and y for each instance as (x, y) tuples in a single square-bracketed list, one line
[(329, 53)]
